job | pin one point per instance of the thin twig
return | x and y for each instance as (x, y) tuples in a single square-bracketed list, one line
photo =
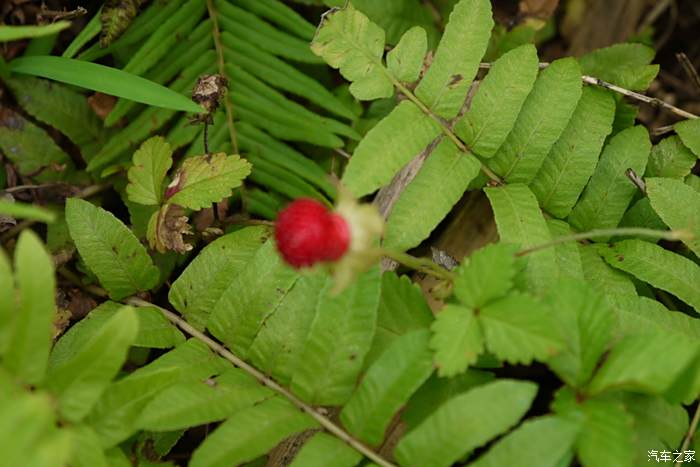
[(653, 101), (598, 233), (689, 69), (213, 14), (225, 353), (691, 432), (419, 264)]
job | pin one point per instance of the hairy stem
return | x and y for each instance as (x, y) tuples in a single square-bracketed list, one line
[(258, 375), (691, 432), (419, 264), (639, 231)]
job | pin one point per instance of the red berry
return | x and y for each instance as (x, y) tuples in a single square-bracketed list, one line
[(308, 233)]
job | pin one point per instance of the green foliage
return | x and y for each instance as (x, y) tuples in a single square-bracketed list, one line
[(276, 353)]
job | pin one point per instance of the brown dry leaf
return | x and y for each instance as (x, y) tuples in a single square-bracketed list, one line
[(167, 229), (102, 104)]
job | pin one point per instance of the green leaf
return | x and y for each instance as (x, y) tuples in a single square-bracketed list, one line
[(26, 211), (79, 381), (626, 65), (249, 298), (114, 415), (689, 132), (31, 149), (436, 391), (323, 450), (587, 325), (520, 221), (402, 309), (641, 214), (486, 275), (8, 311), (647, 363), (617, 285), (658, 267), (519, 329), (277, 348), (152, 161), (251, 433), (429, 197), (573, 158), (86, 451), (208, 179), (465, 422), (670, 158), (656, 422), (13, 33), (498, 100), (456, 60), (396, 17), (405, 61), (110, 250), (609, 192), (387, 385), (639, 315), (398, 138), (210, 273), (104, 79), (678, 205), (539, 442), (192, 403), (457, 340), (340, 337), (30, 335), (543, 118), (348, 41), (606, 437), (567, 254), (59, 106)]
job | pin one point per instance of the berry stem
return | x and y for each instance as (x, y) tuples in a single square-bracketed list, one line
[(419, 264)]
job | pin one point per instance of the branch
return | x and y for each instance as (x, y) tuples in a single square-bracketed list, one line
[(225, 353), (653, 101)]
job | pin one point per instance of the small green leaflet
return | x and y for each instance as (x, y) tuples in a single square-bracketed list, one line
[(348, 41), (520, 221), (539, 442), (670, 158), (387, 385), (79, 381), (251, 433), (572, 160), (626, 65), (498, 100), (110, 250), (457, 340), (30, 332), (323, 450), (399, 137), (151, 162), (609, 192), (519, 329), (456, 60), (203, 180), (486, 275), (406, 59), (429, 197), (658, 267), (464, 423), (543, 118), (689, 132), (678, 205)]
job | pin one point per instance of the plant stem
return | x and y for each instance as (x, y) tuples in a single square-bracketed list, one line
[(691, 432), (258, 375), (216, 33), (419, 264), (640, 231)]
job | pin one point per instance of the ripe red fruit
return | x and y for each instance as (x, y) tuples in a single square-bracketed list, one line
[(308, 233)]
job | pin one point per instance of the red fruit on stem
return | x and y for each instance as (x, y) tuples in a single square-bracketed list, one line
[(308, 233)]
